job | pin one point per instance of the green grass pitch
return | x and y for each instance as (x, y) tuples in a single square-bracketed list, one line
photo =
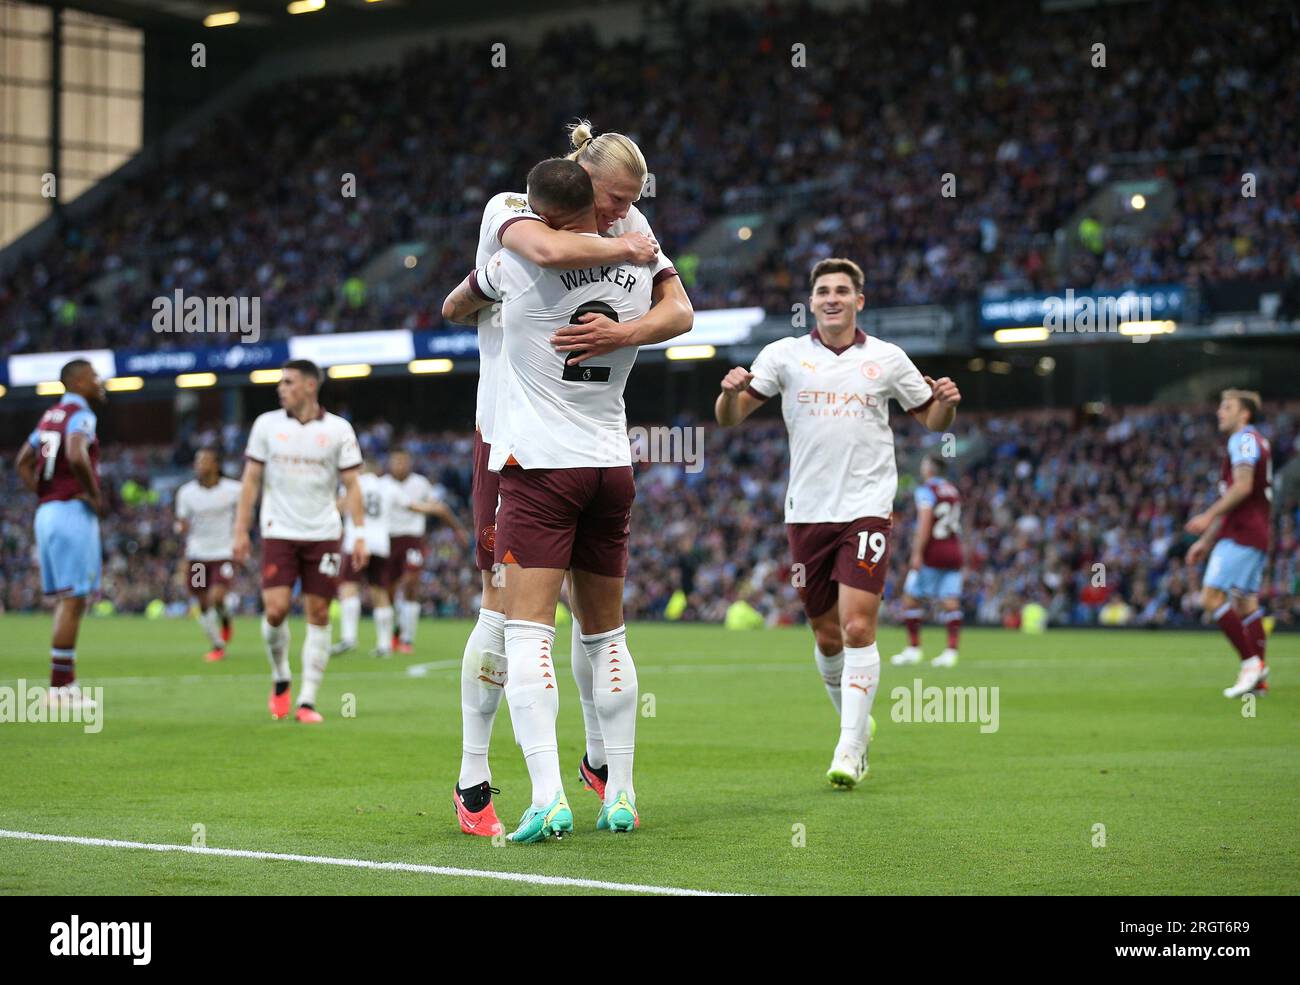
[(1127, 730)]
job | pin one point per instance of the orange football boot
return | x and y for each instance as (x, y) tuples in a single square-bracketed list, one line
[(483, 822), (215, 654), (308, 716), (279, 704)]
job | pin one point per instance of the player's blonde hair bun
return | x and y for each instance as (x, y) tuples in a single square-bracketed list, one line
[(609, 153)]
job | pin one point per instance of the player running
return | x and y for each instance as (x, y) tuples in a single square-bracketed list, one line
[(205, 516), (376, 498), (297, 456), (618, 173), (413, 499), (1239, 520), (565, 476), (934, 573), (59, 462), (836, 383)]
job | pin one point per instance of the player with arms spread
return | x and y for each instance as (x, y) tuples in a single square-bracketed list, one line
[(618, 173), (934, 573), (1239, 519), (566, 490), (59, 462), (295, 459), (205, 516), (836, 384)]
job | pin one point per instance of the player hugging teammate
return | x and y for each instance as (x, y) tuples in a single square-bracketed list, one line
[(572, 355), (836, 383)]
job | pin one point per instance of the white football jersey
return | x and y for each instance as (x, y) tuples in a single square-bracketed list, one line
[(210, 512), (402, 520), (836, 410), (301, 476), (551, 415), (377, 501), (499, 213)]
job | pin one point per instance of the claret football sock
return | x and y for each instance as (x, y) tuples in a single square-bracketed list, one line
[(277, 649), (1253, 625), (858, 690), (831, 668), (63, 667), (1230, 623), (315, 658), (953, 619), (482, 682), (582, 674), (534, 704), (614, 691), (912, 620)]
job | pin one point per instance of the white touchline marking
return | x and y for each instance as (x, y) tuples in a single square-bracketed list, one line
[(361, 863)]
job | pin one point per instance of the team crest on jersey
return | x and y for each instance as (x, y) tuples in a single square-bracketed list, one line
[(515, 202), (488, 535), (871, 371)]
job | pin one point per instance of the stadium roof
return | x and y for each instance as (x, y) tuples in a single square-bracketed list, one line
[(268, 22)]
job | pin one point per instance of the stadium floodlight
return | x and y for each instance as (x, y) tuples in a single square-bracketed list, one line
[(1147, 327), (1029, 333), (430, 365), (49, 388), (690, 352), (348, 371), (123, 383), (265, 376), (305, 6), (189, 381), (222, 19)]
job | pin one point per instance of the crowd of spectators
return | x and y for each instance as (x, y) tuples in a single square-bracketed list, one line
[(1082, 515), (1010, 102)]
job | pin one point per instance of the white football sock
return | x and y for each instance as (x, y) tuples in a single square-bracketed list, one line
[(384, 629), (534, 704), (408, 618), (590, 719), (315, 658), (211, 623), (350, 618), (615, 692), (831, 668), (482, 682), (277, 650), (857, 692)]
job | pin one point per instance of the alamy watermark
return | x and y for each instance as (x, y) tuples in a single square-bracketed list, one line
[(38, 704), (178, 314), (945, 705)]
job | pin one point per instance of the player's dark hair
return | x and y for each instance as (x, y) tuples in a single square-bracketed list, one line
[(559, 186), (936, 463), (212, 450), (72, 369), (837, 265), (305, 366), (398, 450)]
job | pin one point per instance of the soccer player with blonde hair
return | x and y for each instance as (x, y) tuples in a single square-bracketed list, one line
[(618, 173)]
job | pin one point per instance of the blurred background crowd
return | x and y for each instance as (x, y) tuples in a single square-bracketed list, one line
[(1047, 497), (1001, 97)]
